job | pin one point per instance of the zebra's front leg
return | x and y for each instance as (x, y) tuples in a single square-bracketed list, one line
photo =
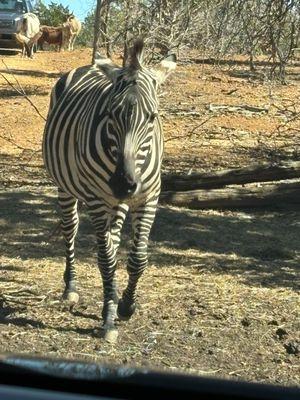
[(69, 226), (142, 220), (118, 218), (107, 267)]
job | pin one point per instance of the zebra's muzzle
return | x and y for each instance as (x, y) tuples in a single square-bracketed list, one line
[(125, 182), (124, 186)]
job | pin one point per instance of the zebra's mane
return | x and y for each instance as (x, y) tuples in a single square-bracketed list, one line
[(134, 64)]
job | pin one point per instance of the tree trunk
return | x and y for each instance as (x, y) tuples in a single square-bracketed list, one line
[(97, 27), (256, 173), (268, 195), (251, 60), (126, 31), (106, 22)]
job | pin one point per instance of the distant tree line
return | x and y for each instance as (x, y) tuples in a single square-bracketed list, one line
[(52, 15), (217, 28)]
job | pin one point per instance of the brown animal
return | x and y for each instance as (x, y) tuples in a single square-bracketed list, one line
[(51, 35), (72, 28)]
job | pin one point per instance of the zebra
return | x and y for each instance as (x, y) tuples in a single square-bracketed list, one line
[(103, 146)]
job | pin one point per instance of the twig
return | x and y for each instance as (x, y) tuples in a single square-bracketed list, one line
[(11, 141), (188, 278), (19, 183), (231, 92), (20, 90), (21, 164), (21, 291), (16, 79), (183, 113), (191, 132), (237, 108), (18, 334)]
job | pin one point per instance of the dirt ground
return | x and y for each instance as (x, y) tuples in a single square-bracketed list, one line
[(221, 294)]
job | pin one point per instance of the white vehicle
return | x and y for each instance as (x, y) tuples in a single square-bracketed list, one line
[(11, 16)]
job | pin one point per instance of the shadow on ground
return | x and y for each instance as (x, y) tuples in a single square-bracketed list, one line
[(29, 90), (31, 72), (262, 248), (9, 52)]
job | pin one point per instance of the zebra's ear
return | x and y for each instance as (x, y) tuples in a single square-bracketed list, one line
[(106, 66), (167, 65), (135, 59), (136, 53)]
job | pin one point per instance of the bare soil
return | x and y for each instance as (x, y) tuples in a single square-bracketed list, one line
[(221, 294)]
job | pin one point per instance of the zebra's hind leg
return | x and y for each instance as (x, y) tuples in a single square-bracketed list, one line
[(69, 226), (142, 220)]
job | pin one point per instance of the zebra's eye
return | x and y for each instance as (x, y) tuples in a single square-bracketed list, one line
[(152, 117), (114, 151), (109, 114)]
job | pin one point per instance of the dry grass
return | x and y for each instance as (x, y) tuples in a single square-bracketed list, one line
[(221, 294), (211, 301)]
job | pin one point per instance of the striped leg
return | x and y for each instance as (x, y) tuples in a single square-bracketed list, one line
[(142, 220), (69, 226), (117, 223), (107, 267)]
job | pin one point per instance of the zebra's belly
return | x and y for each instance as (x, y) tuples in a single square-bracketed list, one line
[(66, 178)]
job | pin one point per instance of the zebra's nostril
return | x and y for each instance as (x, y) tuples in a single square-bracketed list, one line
[(130, 182), (124, 188), (132, 187)]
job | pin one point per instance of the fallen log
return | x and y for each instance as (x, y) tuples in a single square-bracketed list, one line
[(256, 173), (267, 195), (244, 108)]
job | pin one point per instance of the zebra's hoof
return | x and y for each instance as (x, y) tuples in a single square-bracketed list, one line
[(71, 297), (125, 310), (111, 336)]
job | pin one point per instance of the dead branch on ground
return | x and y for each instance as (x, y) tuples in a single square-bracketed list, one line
[(191, 132), (266, 172), (266, 195), (20, 90)]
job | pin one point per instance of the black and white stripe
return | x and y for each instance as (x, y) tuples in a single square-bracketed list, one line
[(103, 145)]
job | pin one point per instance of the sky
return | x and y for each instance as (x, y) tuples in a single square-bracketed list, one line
[(79, 7)]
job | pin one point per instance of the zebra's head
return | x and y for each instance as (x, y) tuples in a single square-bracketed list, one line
[(133, 131)]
